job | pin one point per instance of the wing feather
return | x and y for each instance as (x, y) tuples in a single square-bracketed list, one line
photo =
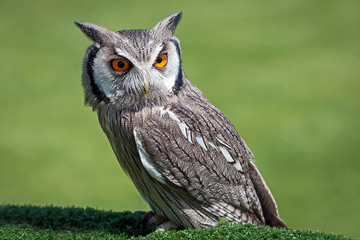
[(210, 169), (147, 162), (196, 150)]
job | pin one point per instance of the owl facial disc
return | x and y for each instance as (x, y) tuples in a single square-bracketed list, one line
[(134, 67)]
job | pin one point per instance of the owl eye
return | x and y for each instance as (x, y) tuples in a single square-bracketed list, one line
[(120, 64), (160, 60)]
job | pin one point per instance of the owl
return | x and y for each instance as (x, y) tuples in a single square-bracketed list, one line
[(183, 155)]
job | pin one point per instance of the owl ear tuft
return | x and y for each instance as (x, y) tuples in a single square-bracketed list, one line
[(98, 34), (167, 26)]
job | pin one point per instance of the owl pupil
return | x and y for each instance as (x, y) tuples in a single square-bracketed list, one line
[(159, 59), (121, 64)]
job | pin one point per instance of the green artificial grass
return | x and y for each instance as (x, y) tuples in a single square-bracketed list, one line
[(72, 219), (32, 222)]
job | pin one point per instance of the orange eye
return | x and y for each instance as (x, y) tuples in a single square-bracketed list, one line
[(120, 64), (160, 60)]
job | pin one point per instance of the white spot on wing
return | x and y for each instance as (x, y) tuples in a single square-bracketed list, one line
[(226, 154), (223, 143), (183, 127), (224, 150), (211, 143), (147, 162), (200, 141), (238, 166), (189, 134)]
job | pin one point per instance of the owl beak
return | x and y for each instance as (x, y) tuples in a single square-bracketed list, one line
[(146, 88), (144, 81)]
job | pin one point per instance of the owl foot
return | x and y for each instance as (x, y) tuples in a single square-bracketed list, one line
[(166, 226), (152, 218), (145, 216), (157, 220)]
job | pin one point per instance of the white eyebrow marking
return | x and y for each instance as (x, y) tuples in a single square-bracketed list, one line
[(156, 52), (135, 61), (120, 52), (124, 54)]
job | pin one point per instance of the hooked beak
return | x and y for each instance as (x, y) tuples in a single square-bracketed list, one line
[(146, 88), (142, 81), (146, 82)]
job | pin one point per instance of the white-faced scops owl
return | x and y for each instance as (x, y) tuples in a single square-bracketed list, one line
[(183, 155)]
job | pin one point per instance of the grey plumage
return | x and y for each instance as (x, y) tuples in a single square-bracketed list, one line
[(183, 155)]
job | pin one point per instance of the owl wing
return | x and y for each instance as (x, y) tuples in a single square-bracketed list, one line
[(196, 148)]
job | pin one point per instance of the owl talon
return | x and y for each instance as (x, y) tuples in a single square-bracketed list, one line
[(168, 225), (152, 218), (147, 216), (157, 220)]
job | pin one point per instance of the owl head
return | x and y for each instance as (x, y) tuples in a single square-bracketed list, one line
[(130, 69)]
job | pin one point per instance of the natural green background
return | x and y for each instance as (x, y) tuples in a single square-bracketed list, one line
[(286, 73)]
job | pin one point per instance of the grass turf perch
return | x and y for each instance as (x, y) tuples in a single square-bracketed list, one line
[(183, 155)]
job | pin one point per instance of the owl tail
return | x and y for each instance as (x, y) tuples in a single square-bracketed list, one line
[(267, 201)]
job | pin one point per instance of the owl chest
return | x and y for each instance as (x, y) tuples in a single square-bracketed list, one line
[(119, 129)]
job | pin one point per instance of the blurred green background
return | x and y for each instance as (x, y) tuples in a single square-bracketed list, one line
[(286, 73)]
